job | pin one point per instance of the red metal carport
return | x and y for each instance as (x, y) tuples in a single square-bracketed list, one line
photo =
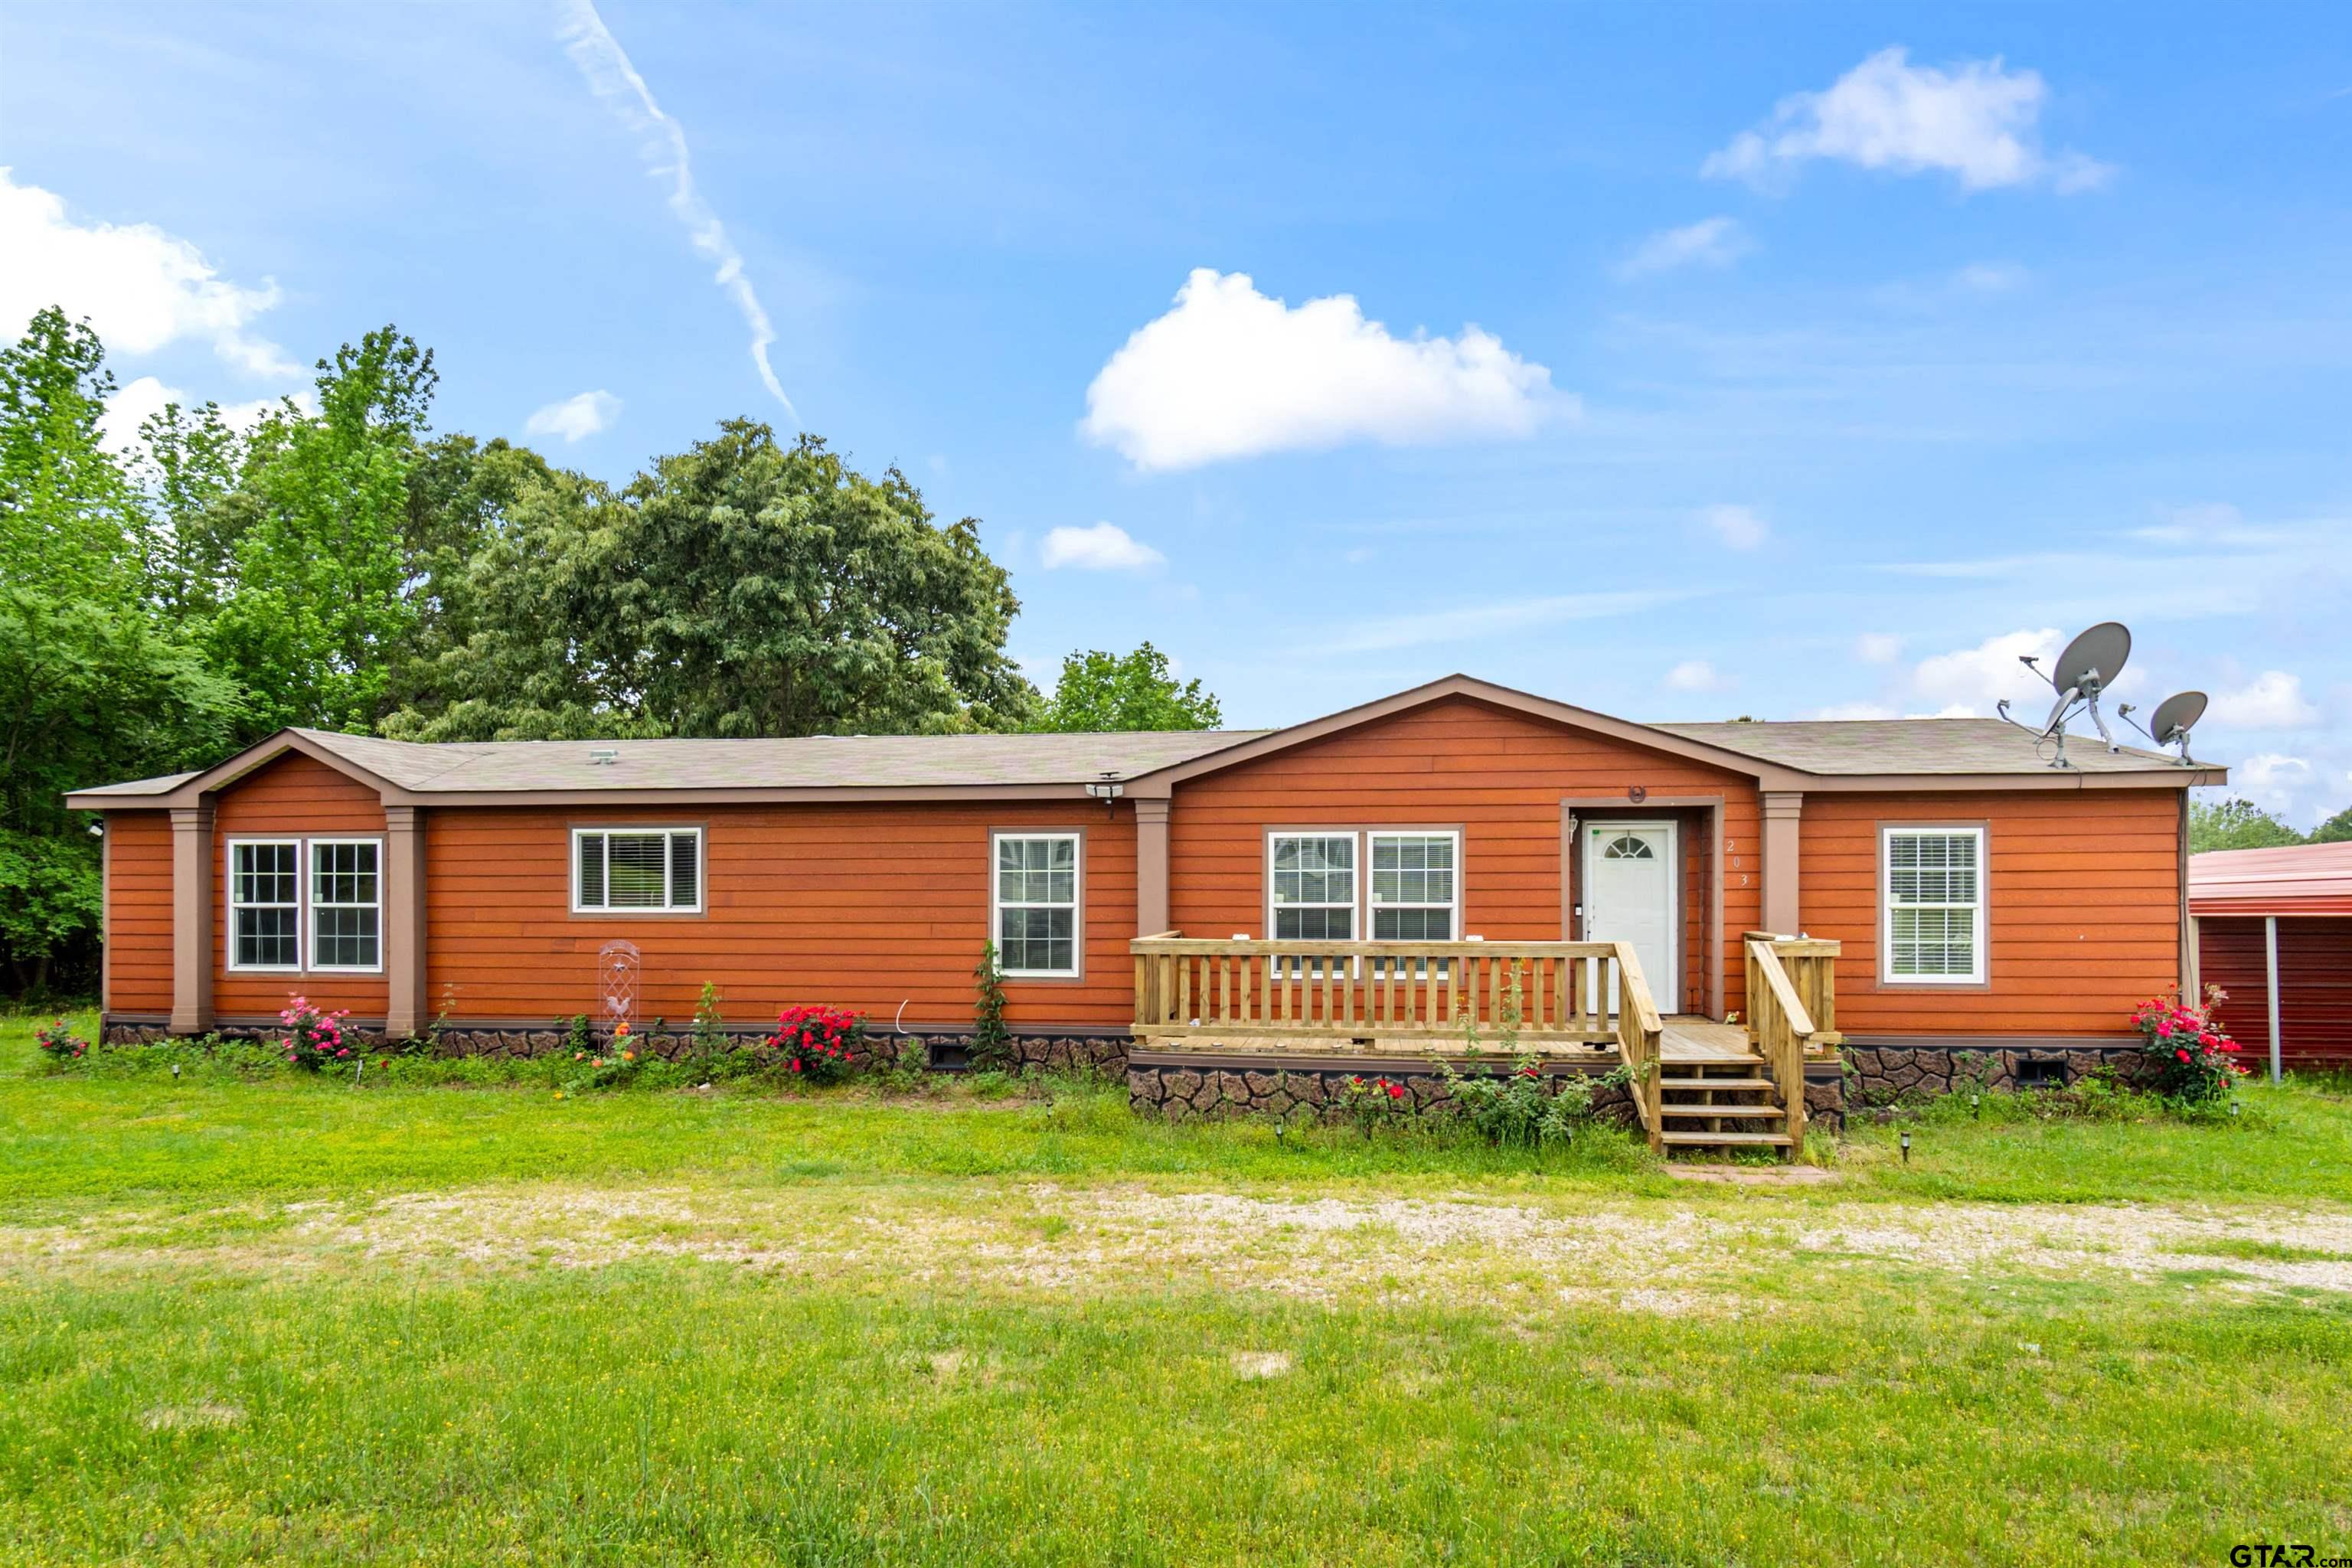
[(2274, 931)]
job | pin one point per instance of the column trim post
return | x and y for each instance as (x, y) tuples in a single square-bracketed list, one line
[(1150, 866), (191, 919), (1782, 908), (403, 921)]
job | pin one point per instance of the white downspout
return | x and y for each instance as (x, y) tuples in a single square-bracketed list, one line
[(2270, 960)]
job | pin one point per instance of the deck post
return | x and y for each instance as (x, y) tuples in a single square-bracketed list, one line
[(1150, 866), (191, 919), (1782, 912)]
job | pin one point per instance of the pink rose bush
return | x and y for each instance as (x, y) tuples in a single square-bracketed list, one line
[(2194, 1057), (314, 1038), (56, 1041)]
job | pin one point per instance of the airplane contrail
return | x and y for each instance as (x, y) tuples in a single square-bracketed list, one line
[(611, 78)]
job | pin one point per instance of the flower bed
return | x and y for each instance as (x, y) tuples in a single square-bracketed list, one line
[(818, 1044)]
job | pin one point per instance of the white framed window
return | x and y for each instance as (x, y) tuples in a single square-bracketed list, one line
[(1416, 888), (1932, 881), (346, 925), (1311, 878), (265, 904), (1034, 896), (651, 870)]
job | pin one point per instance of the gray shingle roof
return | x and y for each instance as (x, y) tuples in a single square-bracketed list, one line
[(1830, 746), (814, 762)]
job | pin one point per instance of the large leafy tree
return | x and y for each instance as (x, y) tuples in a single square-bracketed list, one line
[(742, 587), (320, 601), (2336, 829), (1126, 692), (97, 681), (2236, 825)]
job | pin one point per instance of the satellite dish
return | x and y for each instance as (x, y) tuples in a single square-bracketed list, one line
[(2175, 716), (2173, 719), (2088, 667)]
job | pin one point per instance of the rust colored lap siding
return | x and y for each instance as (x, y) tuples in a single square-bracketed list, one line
[(138, 912), (863, 907), (2083, 911), (1500, 776), (293, 797)]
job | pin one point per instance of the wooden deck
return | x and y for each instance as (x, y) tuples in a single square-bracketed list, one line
[(1350, 1006)]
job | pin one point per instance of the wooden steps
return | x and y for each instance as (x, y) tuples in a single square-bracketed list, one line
[(1776, 1113), (1766, 1140)]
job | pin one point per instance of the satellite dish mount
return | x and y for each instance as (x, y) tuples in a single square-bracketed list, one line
[(2087, 668), (2170, 723)]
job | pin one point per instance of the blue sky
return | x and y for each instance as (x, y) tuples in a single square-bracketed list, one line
[(1679, 363)]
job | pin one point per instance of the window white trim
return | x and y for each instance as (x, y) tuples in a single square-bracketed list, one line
[(1974, 904), (1075, 903), (669, 832), (1374, 904), (229, 847), (312, 904), (1353, 903)]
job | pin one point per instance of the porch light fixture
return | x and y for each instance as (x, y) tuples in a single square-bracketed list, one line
[(1107, 789)]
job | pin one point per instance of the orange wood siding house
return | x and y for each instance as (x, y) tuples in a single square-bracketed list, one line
[(1979, 894)]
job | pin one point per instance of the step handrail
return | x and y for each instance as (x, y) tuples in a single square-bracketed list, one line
[(1779, 1021)]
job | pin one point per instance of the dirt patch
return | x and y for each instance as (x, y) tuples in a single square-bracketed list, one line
[(1757, 1175), (1704, 1258)]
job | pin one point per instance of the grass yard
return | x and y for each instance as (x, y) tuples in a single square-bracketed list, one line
[(287, 1320)]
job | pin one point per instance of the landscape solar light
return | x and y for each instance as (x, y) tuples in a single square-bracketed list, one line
[(1976, 1106), (1907, 1148), (2236, 1106)]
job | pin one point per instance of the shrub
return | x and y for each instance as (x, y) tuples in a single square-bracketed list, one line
[(56, 1041), (818, 1044), (1372, 1101), (313, 1037), (1514, 1110), (2194, 1057), (991, 1042), (709, 1024)]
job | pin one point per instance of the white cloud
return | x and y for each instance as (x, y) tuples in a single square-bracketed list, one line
[(662, 149), (141, 289), (1710, 242), (1976, 121), (2271, 779), (1968, 682), (1854, 711), (1230, 373), (2273, 701), (577, 417), (1877, 647), (134, 402), (1694, 675), (1105, 547), (1737, 527)]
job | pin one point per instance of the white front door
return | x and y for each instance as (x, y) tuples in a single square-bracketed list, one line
[(1629, 896)]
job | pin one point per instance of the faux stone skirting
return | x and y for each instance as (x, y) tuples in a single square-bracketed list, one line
[(1889, 1074), (947, 1050), (1199, 1088)]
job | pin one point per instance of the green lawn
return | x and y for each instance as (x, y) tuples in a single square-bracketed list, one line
[(287, 1320)]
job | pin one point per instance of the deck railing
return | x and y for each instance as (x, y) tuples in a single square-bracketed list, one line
[(1791, 1011), (1549, 994)]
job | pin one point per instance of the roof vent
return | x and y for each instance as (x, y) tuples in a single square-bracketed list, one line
[(603, 757)]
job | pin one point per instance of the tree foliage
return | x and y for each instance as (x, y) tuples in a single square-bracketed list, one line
[(1105, 692), (2236, 825), (740, 588), (340, 565)]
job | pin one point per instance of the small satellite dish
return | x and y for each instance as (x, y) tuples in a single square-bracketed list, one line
[(2175, 716), (2088, 667), (2173, 719)]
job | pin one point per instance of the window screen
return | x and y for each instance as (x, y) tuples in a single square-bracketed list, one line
[(638, 869), (1935, 904), (1038, 903)]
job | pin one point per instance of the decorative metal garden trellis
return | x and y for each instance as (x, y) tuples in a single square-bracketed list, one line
[(616, 984)]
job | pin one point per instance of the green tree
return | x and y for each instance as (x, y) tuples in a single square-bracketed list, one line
[(320, 605), (96, 684), (2236, 825), (741, 587), (1102, 691), (2336, 829)]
